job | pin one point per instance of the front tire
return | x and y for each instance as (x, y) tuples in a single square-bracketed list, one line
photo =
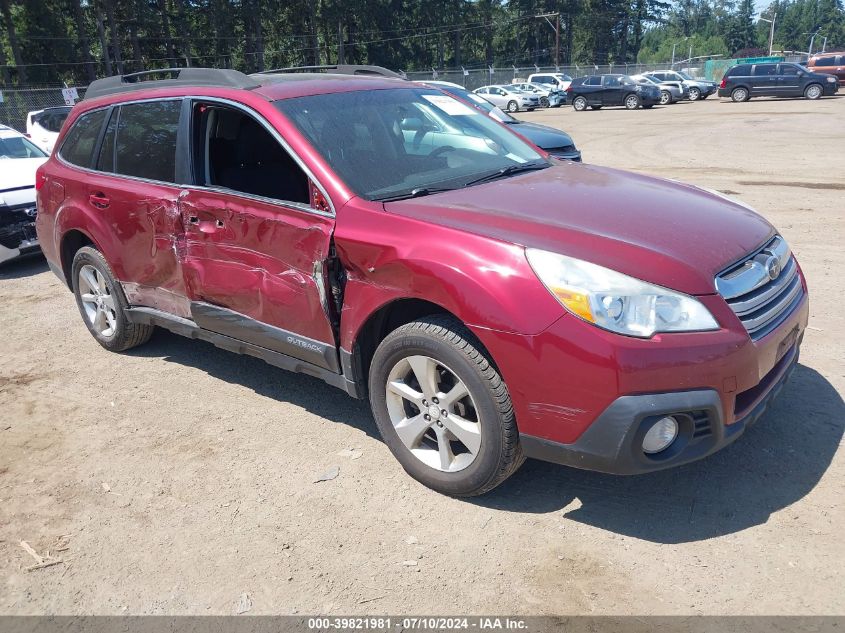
[(513, 106), (443, 409), (665, 97), (813, 91), (694, 94), (632, 102), (102, 304), (579, 104), (544, 102)]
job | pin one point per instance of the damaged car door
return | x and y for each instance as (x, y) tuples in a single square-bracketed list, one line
[(255, 242)]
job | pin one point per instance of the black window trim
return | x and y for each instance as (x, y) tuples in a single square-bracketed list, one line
[(95, 150), (184, 164)]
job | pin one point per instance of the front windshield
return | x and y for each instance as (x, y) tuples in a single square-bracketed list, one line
[(685, 76), (563, 77), (406, 141), (19, 147)]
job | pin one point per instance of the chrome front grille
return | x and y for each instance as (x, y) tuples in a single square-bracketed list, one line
[(764, 288)]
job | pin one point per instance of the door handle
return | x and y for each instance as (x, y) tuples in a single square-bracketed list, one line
[(99, 200)]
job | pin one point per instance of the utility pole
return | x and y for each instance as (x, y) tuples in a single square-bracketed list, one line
[(556, 28), (341, 57), (771, 31)]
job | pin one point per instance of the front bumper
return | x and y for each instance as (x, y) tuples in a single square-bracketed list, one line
[(17, 231), (613, 443)]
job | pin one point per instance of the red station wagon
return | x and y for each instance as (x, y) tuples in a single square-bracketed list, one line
[(491, 303)]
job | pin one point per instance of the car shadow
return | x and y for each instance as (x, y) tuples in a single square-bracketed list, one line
[(25, 266), (312, 394), (776, 463)]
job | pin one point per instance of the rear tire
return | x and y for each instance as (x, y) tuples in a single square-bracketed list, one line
[(740, 94), (544, 102), (813, 91), (102, 303), (579, 104), (484, 449), (632, 102)]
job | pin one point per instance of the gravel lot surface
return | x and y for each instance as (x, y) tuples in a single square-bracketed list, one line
[(178, 477)]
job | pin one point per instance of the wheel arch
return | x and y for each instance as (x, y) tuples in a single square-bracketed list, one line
[(69, 244), (384, 320)]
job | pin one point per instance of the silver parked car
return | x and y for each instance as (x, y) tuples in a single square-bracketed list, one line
[(670, 91), (550, 97), (698, 88), (509, 98)]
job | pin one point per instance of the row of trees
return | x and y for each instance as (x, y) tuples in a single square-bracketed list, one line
[(714, 27), (75, 41)]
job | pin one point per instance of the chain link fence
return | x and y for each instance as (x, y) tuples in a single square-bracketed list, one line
[(478, 77), (15, 104)]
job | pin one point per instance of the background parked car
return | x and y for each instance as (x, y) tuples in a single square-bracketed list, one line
[(43, 126), (557, 80), (698, 88), (509, 98), (670, 91), (598, 91), (19, 158), (550, 97), (556, 142), (829, 63), (744, 81)]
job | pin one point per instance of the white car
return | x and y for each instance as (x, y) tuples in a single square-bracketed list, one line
[(550, 97), (555, 80), (19, 158), (509, 98), (43, 126)]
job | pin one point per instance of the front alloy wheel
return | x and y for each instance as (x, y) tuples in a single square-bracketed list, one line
[(513, 106), (813, 91), (694, 94), (665, 97), (433, 413), (442, 407), (580, 104), (632, 102)]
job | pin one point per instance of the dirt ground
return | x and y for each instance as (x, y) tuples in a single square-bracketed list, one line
[(178, 477)]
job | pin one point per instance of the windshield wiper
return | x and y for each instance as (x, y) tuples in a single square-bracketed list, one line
[(413, 193), (507, 171)]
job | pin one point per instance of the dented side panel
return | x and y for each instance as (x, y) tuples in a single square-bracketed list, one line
[(258, 258)]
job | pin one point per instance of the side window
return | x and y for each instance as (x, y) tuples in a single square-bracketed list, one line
[(826, 61), (146, 140), (659, 76), (80, 141), (234, 151), (788, 69), (593, 81), (743, 70), (765, 70), (105, 161)]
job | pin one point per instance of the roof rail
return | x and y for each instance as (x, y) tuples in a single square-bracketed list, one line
[(223, 77), (340, 69)]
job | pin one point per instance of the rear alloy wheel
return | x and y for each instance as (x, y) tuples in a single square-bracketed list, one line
[(102, 304), (665, 97), (544, 101), (739, 95), (513, 106), (813, 91), (632, 102), (694, 94), (442, 408)]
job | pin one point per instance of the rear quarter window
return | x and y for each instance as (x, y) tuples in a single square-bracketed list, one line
[(743, 70), (79, 143), (825, 61)]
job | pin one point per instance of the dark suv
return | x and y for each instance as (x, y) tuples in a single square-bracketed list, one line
[(744, 81), (400, 245), (599, 91)]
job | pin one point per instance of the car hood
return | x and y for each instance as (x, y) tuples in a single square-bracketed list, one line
[(542, 136), (660, 231), (18, 172)]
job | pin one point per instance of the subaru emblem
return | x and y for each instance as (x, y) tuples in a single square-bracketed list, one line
[(773, 267)]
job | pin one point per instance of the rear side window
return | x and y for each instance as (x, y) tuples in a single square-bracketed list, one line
[(52, 120), (80, 141), (145, 144), (544, 79), (593, 81), (743, 70), (765, 70)]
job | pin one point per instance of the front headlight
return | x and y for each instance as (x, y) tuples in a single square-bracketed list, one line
[(831, 79), (617, 302)]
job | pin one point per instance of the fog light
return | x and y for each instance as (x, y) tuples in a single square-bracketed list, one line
[(660, 435)]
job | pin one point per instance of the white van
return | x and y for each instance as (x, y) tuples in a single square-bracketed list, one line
[(557, 80)]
